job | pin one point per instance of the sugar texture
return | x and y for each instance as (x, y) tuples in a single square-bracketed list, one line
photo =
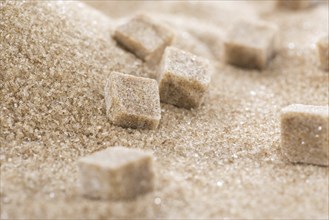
[(132, 101), (183, 78)]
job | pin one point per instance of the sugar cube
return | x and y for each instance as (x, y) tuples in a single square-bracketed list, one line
[(132, 101), (304, 134), (146, 38), (323, 52), (116, 173), (183, 79), (250, 44), (296, 4)]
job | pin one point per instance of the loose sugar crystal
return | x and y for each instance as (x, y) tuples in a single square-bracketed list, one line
[(144, 37), (250, 44), (323, 52), (116, 173), (304, 134), (132, 101), (296, 4), (183, 79)]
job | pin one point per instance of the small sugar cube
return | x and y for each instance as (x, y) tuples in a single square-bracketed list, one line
[(184, 78), (146, 38), (323, 52), (132, 101), (304, 134), (116, 173), (296, 4), (251, 44)]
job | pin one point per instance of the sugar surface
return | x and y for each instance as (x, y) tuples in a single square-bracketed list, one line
[(222, 160), (136, 95), (252, 33), (141, 26), (307, 109), (114, 157), (187, 65)]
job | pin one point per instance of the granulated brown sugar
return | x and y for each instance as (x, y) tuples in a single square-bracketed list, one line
[(222, 160)]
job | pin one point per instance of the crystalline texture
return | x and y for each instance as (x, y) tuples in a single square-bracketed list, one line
[(132, 101), (183, 79)]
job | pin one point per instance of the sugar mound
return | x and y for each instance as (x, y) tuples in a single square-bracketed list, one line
[(53, 64), (220, 161)]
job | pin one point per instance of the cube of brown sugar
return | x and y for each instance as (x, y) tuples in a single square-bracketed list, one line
[(304, 134), (296, 4), (146, 38), (250, 44), (116, 173), (183, 78), (132, 101), (323, 52)]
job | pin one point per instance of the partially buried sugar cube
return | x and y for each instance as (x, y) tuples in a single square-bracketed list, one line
[(116, 173), (323, 52), (296, 4), (250, 44), (183, 78), (132, 101), (146, 38), (304, 134)]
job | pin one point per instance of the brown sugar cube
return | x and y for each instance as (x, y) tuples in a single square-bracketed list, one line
[(132, 101), (144, 37), (183, 79), (323, 52), (296, 4), (304, 134), (116, 173), (250, 44)]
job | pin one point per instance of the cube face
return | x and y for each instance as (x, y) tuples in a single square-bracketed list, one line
[(183, 79), (144, 37), (250, 44), (132, 101), (116, 173), (323, 52), (296, 4), (304, 134)]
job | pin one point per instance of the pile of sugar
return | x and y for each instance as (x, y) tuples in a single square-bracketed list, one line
[(221, 160)]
